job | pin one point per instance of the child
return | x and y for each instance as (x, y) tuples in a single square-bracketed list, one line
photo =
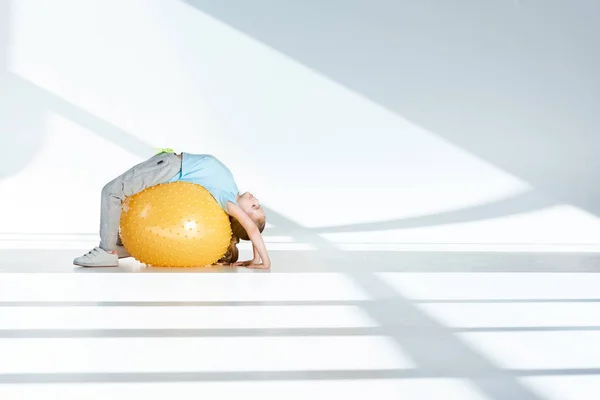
[(246, 215)]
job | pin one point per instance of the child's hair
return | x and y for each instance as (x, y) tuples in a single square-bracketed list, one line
[(238, 232)]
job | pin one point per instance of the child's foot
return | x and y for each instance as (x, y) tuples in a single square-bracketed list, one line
[(97, 257), (122, 252)]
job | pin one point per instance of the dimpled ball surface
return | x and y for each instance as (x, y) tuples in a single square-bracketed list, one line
[(177, 224)]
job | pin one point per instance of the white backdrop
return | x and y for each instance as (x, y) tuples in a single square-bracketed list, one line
[(90, 87)]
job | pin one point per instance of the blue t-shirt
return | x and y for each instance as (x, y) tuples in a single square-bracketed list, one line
[(210, 173)]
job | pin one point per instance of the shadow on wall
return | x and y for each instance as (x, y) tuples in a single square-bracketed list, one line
[(514, 83), (518, 204), (22, 107), (20, 121), (387, 63)]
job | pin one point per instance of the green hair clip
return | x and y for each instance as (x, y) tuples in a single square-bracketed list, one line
[(164, 150)]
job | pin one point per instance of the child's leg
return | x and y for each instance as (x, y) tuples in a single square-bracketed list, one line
[(121, 251), (156, 170)]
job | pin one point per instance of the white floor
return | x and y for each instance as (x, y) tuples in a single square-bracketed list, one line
[(320, 325)]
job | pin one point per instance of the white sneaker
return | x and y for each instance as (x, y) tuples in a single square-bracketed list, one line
[(97, 257)]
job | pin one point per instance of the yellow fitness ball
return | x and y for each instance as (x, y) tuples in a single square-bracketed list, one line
[(177, 224)]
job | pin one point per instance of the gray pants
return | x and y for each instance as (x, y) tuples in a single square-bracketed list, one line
[(156, 170)]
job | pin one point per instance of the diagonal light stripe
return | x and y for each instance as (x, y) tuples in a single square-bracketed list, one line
[(565, 387), (222, 317), (178, 287), (474, 247), (515, 314), (538, 350), (468, 286), (409, 389), (118, 355)]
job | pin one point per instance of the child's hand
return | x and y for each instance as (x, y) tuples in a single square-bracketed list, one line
[(258, 244), (251, 264)]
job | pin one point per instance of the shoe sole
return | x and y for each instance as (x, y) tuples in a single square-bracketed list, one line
[(94, 265)]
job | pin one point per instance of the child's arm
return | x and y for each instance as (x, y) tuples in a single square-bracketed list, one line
[(258, 244), (255, 251)]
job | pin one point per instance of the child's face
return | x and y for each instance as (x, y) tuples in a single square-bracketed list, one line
[(251, 206)]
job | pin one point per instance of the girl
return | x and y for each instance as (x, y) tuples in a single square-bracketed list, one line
[(245, 213)]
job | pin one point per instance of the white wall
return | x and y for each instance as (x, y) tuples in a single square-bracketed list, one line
[(440, 156)]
